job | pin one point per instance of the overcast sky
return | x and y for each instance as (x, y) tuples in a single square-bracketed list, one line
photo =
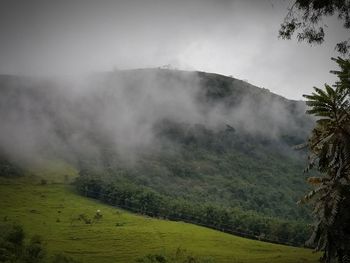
[(238, 38)]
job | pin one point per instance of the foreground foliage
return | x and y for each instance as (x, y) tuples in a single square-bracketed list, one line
[(305, 19), (329, 147)]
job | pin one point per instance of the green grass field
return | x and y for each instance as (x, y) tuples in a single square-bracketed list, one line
[(52, 210)]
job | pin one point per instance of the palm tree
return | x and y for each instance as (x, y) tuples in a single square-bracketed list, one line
[(329, 153)]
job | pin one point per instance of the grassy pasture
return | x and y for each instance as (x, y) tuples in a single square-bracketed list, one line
[(53, 211)]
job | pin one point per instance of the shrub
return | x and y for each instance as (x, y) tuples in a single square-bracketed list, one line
[(14, 249), (61, 258), (179, 256)]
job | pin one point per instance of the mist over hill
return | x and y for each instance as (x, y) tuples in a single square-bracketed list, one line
[(70, 117), (210, 149)]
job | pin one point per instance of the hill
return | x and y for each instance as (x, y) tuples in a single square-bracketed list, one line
[(181, 139)]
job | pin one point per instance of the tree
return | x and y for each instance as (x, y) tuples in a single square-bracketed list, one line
[(329, 143), (329, 147), (35, 250), (305, 16)]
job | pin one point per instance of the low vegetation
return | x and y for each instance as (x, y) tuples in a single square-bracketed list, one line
[(14, 248)]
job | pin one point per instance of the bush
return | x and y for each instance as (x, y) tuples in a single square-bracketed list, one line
[(61, 258), (179, 256), (11, 242), (35, 250), (43, 182), (14, 249)]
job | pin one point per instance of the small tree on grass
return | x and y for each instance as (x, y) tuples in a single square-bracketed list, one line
[(34, 252)]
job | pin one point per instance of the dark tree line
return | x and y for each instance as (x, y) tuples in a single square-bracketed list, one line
[(231, 220)]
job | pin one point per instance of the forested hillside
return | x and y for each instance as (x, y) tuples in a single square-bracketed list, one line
[(189, 146)]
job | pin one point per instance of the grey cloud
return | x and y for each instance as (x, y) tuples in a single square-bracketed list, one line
[(229, 37), (79, 117)]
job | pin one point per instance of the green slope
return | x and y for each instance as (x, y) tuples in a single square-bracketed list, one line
[(223, 144), (52, 211)]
